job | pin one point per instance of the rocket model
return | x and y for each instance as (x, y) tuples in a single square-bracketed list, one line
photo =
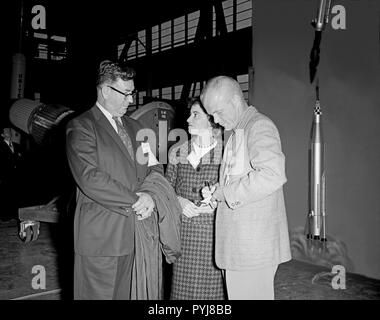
[(316, 219), (317, 213)]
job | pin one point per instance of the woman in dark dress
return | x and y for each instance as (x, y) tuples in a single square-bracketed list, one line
[(191, 166)]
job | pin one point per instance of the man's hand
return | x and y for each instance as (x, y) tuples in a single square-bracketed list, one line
[(218, 195), (143, 206), (189, 209)]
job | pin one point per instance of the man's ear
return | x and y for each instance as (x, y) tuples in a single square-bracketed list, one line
[(235, 100), (105, 91)]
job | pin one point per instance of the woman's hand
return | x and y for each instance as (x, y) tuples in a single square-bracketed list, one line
[(189, 209)]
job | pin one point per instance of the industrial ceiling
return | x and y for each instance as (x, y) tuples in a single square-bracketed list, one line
[(125, 16)]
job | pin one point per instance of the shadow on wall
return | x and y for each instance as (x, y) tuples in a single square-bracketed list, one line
[(332, 252)]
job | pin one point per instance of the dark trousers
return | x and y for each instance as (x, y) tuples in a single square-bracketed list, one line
[(103, 278)]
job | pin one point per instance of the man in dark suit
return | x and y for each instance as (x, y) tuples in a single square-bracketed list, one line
[(101, 149)]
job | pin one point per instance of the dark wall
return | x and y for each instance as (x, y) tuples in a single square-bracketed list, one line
[(349, 74)]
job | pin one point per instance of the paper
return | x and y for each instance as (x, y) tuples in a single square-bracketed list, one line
[(152, 161)]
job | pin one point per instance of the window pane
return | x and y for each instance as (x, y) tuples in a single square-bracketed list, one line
[(167, 93), (244, 14), (155, 93), (132, 50), (192, 23), (177, 92), (179, 31)]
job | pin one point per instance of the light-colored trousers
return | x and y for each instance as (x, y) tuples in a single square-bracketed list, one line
[(255, 284)]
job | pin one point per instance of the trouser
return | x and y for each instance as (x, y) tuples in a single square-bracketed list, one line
[(103, 278), (255, 284)]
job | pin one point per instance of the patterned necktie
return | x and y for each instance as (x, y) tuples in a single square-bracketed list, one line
[(124, 136)]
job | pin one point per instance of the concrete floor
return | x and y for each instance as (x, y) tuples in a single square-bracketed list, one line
[(17, 260), (295, 280)]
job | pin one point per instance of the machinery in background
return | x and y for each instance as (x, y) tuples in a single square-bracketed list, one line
[(37, 119), (45, 124), (158, 116)]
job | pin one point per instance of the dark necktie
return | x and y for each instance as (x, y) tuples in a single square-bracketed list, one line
[(124, 136)]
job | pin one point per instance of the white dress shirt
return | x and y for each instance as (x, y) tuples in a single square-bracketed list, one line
[(108, 115)]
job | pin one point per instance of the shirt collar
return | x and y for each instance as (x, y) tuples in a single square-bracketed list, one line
[(105, 111), (245, 118)]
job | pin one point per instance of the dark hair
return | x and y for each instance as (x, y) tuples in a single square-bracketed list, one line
[(195, 100), (111, 71)]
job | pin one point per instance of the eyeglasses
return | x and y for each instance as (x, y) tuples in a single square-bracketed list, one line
[(125, 94)]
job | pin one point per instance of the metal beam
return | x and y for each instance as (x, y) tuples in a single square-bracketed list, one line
[(204, 28), (221, 27), (148, 50), (124, 53)]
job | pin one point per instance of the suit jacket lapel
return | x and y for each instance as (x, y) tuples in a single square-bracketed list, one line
[(103, 122)]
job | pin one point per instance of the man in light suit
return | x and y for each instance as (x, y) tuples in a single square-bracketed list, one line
[(101, 149), (251, 225)]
